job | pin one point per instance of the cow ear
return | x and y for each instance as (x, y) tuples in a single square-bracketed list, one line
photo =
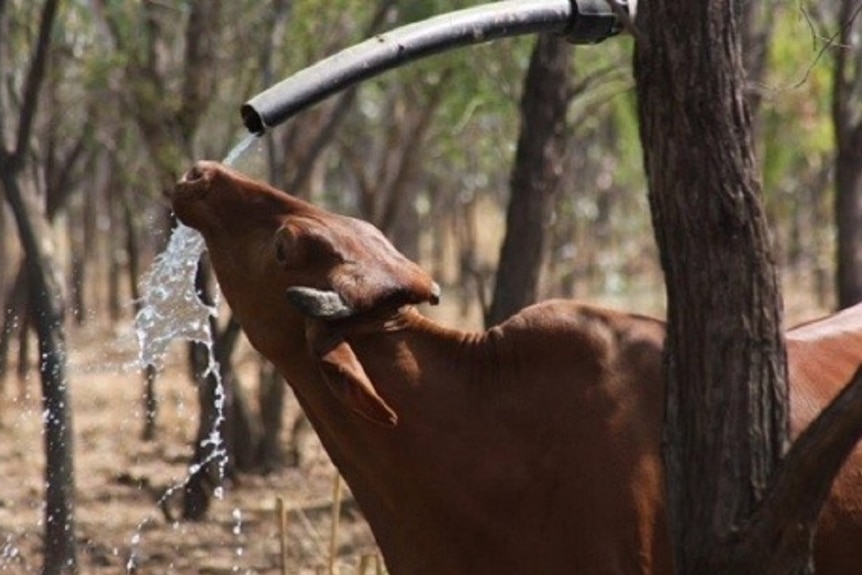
[(346, 378)]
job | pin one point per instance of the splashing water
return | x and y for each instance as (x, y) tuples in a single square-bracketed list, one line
[(132, 562), (171, 307)]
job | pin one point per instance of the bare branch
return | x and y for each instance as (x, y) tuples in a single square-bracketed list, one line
[(815, 20)]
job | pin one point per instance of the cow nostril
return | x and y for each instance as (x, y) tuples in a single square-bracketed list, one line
[(195, 173)]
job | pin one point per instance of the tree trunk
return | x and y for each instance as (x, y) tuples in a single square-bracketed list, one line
[(25, 323), (726, 408), (120, 245), (225, 440), (848, 220), (758, 22), (13, 312), (535, 176), (5, 236), (847, 120), (271, 395), (151, 400), (45, 296), (209, 461)]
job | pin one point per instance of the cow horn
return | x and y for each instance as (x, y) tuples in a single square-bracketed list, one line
[(320, 304)]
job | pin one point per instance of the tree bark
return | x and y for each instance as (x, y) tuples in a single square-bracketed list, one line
[(535, 177), (726, 408)]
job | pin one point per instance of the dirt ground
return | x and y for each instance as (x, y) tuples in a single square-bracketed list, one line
[(120, 527)]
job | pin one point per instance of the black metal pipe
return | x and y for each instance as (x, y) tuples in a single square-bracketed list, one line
[(581, 21)]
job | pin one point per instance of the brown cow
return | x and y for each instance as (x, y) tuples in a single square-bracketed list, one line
[(531, 448), (822, 357)]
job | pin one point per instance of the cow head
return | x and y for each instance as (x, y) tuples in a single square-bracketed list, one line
[(293, 272)]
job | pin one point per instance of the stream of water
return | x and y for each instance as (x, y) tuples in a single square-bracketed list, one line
[(171, 310)]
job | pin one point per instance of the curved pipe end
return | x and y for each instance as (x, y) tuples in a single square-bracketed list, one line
[(252, 119), (580, 21)]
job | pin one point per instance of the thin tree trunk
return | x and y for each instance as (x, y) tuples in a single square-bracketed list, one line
[(535, 177), (848, 221), (6, 259), (847, 120), (271, 394), (13, 311), (25, 323), (224, 422), (151, 402), (758, 22), (45, 296), (114, 280)]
